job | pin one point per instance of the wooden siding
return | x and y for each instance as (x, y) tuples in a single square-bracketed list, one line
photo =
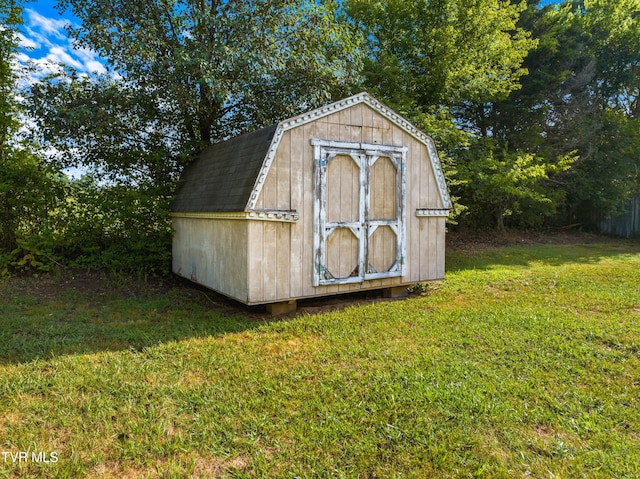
[(213, 252), (281, 255)]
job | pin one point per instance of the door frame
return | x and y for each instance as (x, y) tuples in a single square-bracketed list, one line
[(364, 155)]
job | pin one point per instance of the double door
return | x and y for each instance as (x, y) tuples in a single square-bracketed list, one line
[(359, 198)]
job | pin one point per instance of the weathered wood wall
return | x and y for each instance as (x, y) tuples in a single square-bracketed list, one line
[(212, 252), (281, 254)]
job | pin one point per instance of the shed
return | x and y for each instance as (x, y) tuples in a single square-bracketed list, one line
[(347, 197)]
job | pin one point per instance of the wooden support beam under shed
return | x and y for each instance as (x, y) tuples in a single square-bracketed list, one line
[(284, 307), (395, 292)]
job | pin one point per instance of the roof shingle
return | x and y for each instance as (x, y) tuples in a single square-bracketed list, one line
[(221, 179)]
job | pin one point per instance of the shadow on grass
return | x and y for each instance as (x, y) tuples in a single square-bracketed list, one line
[(524, 255), (42, 318), (85, 313)]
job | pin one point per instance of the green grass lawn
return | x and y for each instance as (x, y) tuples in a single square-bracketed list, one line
[(524, 362)]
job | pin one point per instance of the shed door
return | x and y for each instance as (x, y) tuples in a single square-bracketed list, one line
[(359, 198)]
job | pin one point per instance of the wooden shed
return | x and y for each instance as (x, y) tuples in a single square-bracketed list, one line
[(346, 197)]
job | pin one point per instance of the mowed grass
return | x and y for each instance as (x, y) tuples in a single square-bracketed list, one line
[(524, 362)]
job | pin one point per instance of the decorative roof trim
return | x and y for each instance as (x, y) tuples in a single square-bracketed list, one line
[(264, 170), (326, 110), (267, 215), (432, 212)]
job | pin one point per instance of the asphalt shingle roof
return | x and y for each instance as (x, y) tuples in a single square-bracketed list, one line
[(221, 179)]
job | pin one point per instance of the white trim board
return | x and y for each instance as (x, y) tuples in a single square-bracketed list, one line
[(326, 110)]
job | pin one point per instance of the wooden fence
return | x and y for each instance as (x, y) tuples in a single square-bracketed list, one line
[(626, 224)]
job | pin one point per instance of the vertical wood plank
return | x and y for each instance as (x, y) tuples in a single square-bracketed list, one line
[(282, 252), (345, 116), (269, 256), (412, 172), (269, 195), (297, 173), (377, 195), (433, 248), (256, 261), (222, 268), (307, 217), (283, 161), (367, 124), (432, 193), (355, 114), (440, 233), (428, 241)]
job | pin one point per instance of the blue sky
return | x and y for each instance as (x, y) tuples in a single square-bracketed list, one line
[(44, 41)]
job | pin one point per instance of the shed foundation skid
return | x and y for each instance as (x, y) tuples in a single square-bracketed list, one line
[(284, 307)]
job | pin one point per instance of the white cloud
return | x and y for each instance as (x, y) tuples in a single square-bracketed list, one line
[(44, 43), (40, 39), (26, 43), (95, 66), (48, 26), (90, 59), (44, 67), (22, 58), (59, 54)]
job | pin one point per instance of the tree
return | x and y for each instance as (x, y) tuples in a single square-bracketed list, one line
[(28, 187), (501, 183), (581, 96), (609, 171), (440, 63), (181, 74), (10, 17), (205, 71), (443, 54)]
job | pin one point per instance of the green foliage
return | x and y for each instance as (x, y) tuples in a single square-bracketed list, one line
[(29, 191), (435, 62), (116, 228), (29, 188), (10, 18), (507, 184), (181, 74), (443, 53), (600, 108), (580, 98), (534, 109), (605, 178), (30, 256), (115, 130), (220, 68)]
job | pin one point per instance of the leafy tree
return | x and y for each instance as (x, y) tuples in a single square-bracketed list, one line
[(10, 18), (182, 74), (581, 95), (28, 187), (441, 55), (502, 184), (114, 129), (113, 227), (441, 63), (197, 72), (609, 171)]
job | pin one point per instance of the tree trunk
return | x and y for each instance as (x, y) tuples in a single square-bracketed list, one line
[(500, 220)]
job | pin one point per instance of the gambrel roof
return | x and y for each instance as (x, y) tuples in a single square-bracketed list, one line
[(228, 176), (223, 176)]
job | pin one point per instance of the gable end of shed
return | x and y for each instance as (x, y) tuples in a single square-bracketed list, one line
[(361, 98)]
